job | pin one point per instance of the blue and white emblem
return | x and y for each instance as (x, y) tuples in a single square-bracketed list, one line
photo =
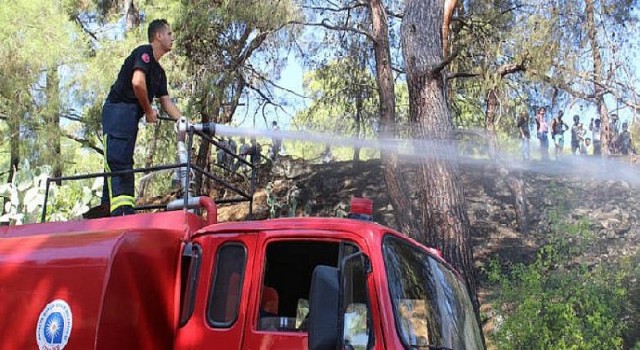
[(54, 326)]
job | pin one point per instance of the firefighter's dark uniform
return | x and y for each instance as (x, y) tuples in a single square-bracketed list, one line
[(120, 115)]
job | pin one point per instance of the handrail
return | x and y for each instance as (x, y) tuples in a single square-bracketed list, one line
[(185, 131)]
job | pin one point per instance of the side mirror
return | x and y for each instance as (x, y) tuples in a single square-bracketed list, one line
[(324, 308)]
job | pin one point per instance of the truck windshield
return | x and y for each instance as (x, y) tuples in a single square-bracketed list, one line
[(431, 306)]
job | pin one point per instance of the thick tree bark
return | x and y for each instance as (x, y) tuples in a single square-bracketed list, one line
[(514, 182), (358, 126), (606, 135), (132, 15), (393, 177), (153, 145), (446, 225), (202, 159), (148, 163), (53, 141), (449, 8), (14, 151), (14, 144)]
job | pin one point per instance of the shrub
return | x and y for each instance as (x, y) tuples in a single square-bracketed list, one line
[(546, 305)]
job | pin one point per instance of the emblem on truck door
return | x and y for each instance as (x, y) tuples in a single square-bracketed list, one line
[(54, 326)]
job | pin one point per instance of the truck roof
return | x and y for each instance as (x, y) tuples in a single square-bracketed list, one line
[(366, 230), (163, 220), (315, 223)]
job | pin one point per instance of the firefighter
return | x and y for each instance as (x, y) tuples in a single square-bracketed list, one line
[(141, 79)]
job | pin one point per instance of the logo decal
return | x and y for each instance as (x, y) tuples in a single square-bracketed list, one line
[(145, 57), (54, 326)]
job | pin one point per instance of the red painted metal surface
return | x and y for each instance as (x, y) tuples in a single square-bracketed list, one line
[(210, 206), (117, 275), (120, 277), (198, 331), (368, 237)]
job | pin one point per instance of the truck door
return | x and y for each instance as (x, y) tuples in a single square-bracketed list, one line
[(284, 266), (221, 297)]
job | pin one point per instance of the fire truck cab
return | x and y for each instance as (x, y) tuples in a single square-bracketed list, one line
[(173, 280)]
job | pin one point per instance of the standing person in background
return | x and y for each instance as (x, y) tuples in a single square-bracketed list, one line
[(558, 127), (543, 129), (595, 129), (614, 147), (624, 140), (254, 152), (276, 142), (242, 154), (586, 148), (575, 137), (327, 156), (221, 155), (140, 80), (582, 135), (233, 148), (525, 135)]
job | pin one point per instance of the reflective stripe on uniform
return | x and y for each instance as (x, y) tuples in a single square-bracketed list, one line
[(120, 201), (107, 168)]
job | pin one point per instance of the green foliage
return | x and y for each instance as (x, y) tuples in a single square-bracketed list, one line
[(72, 200), (634, 129), (37, 49), (345, 104), (282, 206), (232, 45), (24, 197), (550, 304), (272, 201)]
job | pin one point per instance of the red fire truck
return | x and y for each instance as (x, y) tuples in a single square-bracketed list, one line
[(180, 280)]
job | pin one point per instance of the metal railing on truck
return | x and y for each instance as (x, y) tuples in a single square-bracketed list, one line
[(186, 132)]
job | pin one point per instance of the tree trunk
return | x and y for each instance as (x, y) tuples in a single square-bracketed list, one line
[(202, 159), (449, 8), (606, 135), (514, 182), (54, 148), (358, 127), (14, 146), (148, 163), (393, 177), (445, 221), (131, 14)]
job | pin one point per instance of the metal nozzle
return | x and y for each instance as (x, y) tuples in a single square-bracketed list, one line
[(183, 126)]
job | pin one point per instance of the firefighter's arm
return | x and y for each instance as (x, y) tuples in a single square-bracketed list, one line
[(169, 107), (139, 84)]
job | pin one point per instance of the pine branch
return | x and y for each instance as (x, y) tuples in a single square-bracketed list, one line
[(272, 83), (335, 9), (440, 66), (85, 29), (84, 142), (325, 24)]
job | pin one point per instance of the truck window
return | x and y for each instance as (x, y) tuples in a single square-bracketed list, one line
[(191, 259), (356, 318), (431, 305), (287, 279), (226, 290)]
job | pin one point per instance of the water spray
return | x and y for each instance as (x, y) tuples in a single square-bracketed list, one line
[(419, 150)]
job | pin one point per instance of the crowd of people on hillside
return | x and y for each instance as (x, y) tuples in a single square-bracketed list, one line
[(231, 156), (620, 143)]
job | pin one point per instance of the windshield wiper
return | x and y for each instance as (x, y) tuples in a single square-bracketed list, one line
[(430, 347)]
